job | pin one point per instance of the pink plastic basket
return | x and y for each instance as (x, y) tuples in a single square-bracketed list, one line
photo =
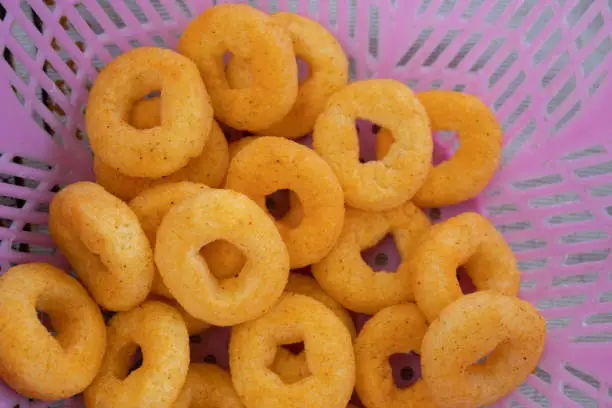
[(542, 65)]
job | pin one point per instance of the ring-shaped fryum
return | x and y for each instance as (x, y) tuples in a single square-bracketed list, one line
[(186, 119), (103, 240), (293, 367), (251, 35), (328, 73), (390, 182), (221, 215), (329, 354), (151, 206), (209, 168), (347, 278), (269, 164), (472, 166), (468, 240), (509, 328), (32, 361), (160, 332), (396, 329)]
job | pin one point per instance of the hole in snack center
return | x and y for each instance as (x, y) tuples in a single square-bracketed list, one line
[(290, 363), (224, 259), (45, 319), (366, 131), (145, 113), (294, 348), (285, 206), (406, 369), (384, 256), (131, 359), (465, 282), (446, 144), (303, 70)]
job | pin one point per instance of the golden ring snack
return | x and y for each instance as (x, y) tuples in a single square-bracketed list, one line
[(34, 363), (467, 240), (103, 240), (269, 164), (223, 259), (328, 74), (186, 117), (208, 168), (251, 35), (211, 386), (160, 332), (396, 329), (387, 183), (151, 206), (464, 332), (329, 353), (290, 367), (221, 215), (347, 278), (472, 166)]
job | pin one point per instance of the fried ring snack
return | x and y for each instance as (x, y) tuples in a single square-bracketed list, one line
[(208, 168), (377, 185), (223, 259), (464, 332), (328, 74), (472, 166), (151, 206), (103, 240), (211, 387), (160, 332), (396, 329), (290, 367), (468, 240), (186, 118), (214, 215), (34, 363), (251, 35), (347, 278), (329, 353), (269, 164)]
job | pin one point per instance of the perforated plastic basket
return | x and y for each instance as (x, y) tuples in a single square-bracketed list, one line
[(542, 65)]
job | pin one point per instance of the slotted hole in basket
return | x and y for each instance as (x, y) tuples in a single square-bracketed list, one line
[(383, 256), (464, 50), (54, 76), (32, 16), (578, 11), (285, 206), (405, 368), (56, 110), (16, 65), (89, 18), (597, 56), (161, 10), (579, 397), (2, 12), (566, 90), (539, 25), (23, 39), (73, 33), (224, 259), (415, 46)]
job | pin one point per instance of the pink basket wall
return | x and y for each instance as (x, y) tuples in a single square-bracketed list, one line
[(542, 65)]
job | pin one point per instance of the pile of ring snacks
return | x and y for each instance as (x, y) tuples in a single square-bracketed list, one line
[(177, 237)]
